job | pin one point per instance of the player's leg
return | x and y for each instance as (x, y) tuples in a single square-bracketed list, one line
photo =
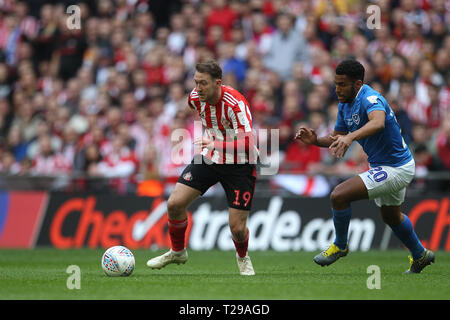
[(181, 197), (239, 182), (388, 192), (341, 197), (239, 230), (240, 236), (193, 182), (177, 204), (403, 229)]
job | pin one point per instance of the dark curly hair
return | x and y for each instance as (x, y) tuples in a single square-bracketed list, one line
[(351, 68)]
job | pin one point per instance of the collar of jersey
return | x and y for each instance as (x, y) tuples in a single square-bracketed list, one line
[(356, 97)]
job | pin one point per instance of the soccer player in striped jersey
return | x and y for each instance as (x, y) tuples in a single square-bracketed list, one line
[(228, 155)]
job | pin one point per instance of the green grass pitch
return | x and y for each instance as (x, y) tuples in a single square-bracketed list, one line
[(40, 274)]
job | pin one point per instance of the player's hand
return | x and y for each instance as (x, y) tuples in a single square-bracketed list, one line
[(204, 142), (340, 145), (307, 136)]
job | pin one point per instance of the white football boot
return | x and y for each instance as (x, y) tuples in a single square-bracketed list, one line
[(245, 266), (170, 256)]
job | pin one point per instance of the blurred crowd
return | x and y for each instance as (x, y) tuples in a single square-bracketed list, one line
[(102, 100)]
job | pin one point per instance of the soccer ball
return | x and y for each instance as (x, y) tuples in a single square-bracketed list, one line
[(118, 261)]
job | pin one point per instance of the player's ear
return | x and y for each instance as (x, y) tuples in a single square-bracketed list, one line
[(358, 83)]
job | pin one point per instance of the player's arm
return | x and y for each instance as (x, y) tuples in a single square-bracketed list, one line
[(191, 104), (241, 140), (309, 136), (375, 124), (192, 107), (194, 112)]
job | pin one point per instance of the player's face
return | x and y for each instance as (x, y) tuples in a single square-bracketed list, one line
[(346, 89), (207, 87)]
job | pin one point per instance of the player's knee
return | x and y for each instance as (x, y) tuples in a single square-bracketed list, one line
[(238, 230), (175, 208), (338, 199), (388, 220), (391, 218)]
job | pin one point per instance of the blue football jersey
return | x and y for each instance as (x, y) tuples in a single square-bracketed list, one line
[(385, 147)]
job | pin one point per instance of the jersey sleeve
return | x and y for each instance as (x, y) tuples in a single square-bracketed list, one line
[(372, 103), (340, 123), (239, 117), (241, 123), (191, 102)]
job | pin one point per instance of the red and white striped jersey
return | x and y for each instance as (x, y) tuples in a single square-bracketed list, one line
[(230, 119), (55, 164)]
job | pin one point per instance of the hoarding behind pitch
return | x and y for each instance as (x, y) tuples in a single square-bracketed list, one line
[(278, 223), (21, 213)]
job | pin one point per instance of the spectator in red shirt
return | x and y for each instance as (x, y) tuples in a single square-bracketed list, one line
[(299, 156), (49, 162), (221, 15), (153, 65), (119, 165)]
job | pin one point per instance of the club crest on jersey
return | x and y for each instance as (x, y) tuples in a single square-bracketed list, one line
[(355, 118), (187, 176), (225, 122)]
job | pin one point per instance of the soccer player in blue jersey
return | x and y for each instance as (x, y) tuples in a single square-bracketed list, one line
[(365, 116)]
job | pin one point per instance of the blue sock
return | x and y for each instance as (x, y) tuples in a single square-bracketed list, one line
[(405, 232), (341, 219)]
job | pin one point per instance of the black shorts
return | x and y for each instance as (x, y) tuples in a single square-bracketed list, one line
[(238, 180)]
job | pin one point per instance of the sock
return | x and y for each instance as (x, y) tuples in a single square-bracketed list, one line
[(341, 219), (241, 246), (177, 230), (405, 232)]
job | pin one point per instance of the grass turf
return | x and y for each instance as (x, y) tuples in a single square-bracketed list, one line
[(213, 275)]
